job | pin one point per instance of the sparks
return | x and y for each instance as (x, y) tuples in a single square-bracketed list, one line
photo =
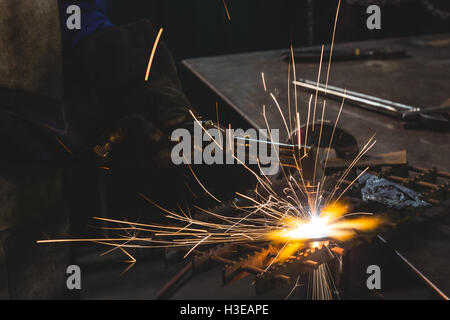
[(301, 216), (152, 55)]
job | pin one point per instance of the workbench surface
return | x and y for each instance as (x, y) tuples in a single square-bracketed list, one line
[(422, 79)]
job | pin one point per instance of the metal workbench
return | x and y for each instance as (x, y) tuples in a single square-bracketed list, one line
[(422, 79)]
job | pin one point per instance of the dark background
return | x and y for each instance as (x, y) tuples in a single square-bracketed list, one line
[(196, 28)]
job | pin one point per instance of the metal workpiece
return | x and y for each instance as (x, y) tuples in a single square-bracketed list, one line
[(288, 270), (265, 263), (435, 118)]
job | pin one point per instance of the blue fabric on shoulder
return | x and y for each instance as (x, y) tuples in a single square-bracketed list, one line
[(93, 18)]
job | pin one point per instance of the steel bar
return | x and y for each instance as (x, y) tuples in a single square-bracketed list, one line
[(442, 174), (369, 104), (402, 106), (416, 271), (175, 283)]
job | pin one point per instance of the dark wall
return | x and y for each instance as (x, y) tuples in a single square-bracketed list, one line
[(201, 28), (398, 20), (196, 28)]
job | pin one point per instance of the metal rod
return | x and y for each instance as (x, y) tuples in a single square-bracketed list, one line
[(362, 102), (413, 268), (175, 283), (364, 96), (438, 173), (222, 260), (271, 143)]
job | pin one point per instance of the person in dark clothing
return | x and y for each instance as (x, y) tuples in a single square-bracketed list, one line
[(104, 69), (93, 80)]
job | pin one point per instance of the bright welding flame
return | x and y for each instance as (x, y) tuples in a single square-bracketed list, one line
[(317, 227), (333, 222)]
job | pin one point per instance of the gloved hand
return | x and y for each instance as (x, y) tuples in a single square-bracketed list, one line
[(107, 71), (142, 145), (164, 104)]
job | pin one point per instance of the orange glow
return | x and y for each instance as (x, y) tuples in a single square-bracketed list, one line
[(289, 250), (299, 230), (331, 223), (334, 211)]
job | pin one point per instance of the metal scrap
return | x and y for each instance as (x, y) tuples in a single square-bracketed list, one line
[(389, 193)]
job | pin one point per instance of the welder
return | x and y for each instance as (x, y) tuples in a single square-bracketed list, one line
[(104, 71), (100, 68)]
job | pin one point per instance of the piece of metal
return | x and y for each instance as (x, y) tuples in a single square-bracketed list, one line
[(435, 118), (383, 159), (291, 268), (175, 283), (360, 101), (398, 106), (416, 271), (259, 259), (389, 193), (271, 142), (252, 263), (433, 185)]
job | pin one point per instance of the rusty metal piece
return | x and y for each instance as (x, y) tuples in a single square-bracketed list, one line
[(440, 193), (338, 250), (221, 260), (201, 261), (383, 159), (442, 174), (291, 268), (170, 287), (311, 263), (424, 180), (251, 263), (253, 270), (413, 181)]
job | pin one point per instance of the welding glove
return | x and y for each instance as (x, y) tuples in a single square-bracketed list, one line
[(107, 71), (142, 145)]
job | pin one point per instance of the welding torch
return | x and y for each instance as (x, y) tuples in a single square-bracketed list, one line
[(290, 154), (285, 151), (435, 118)]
